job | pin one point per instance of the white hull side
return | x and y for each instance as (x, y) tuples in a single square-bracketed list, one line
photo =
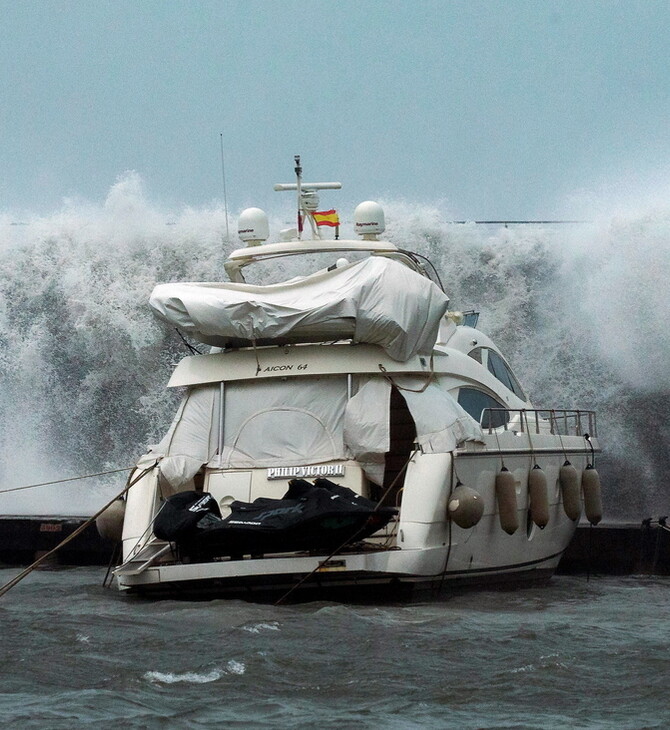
[(402, 565)]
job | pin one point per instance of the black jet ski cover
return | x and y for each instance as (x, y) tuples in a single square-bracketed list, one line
[(309, 517), (183, 514), (343, 492)]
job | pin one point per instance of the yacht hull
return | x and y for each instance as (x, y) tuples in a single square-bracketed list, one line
[(350, 576), (425, 554)]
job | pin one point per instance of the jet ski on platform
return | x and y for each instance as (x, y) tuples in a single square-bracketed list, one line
[(309, 517)]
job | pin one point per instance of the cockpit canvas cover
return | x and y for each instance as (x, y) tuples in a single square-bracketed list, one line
[(302, 421)]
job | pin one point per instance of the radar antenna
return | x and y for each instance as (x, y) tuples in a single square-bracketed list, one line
[(307, 198)]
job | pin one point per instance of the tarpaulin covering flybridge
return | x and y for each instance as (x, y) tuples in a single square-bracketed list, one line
[(377, 301), (305, 420)]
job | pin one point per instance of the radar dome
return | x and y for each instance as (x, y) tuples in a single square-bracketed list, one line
[(369, 219), (252, 226)]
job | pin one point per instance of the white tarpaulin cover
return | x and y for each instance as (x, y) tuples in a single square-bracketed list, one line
[(192, 438), (367, 430), (441, 423), (377, 300), (301, 421), (265, 423), (284, 423)]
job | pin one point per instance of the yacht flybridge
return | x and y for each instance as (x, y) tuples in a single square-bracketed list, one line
[(346, 431)]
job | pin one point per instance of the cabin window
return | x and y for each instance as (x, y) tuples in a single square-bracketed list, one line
[(502, 372), (474, 402), (498, 368), (476, 354)]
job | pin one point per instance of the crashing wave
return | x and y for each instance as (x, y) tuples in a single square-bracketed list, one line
[(84, 363)]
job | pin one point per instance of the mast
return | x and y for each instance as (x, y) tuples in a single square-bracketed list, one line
[(307, 198), (298, 176)]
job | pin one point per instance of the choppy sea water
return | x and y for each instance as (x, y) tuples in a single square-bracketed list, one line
[(572, 654)]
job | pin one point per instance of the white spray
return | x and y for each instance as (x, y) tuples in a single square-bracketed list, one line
[(577, 309)]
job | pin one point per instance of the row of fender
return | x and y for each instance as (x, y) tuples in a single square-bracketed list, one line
[(466, 505)]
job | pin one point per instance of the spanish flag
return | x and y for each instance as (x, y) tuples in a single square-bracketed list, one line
[(327, 218)]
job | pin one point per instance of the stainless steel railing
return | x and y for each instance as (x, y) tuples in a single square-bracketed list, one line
[(540, 420)]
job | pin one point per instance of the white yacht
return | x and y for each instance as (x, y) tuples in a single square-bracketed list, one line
[(347, 432)]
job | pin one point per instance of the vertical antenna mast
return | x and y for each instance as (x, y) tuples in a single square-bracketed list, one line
[(298, 175), (225, 197)]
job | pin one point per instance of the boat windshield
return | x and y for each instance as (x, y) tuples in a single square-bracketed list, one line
[(497, 366)]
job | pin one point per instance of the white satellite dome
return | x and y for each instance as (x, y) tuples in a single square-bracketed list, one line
[(252, 226), (369, 219)]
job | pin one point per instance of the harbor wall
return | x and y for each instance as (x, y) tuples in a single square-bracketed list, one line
[(610, 549)]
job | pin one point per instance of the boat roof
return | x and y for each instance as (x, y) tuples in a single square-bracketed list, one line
[(242, 257), (289, 360), (311, 246)]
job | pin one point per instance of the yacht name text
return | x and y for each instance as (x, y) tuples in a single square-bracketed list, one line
[(278, 368)]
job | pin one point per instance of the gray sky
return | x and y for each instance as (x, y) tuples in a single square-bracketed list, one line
[(491, 109)]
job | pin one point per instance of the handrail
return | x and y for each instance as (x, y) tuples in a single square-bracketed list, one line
[(123, 570), (562, 422)]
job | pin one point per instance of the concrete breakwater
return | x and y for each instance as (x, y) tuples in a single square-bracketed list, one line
[(608, 549)]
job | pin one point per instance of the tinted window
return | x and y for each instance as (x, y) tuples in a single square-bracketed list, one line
[(475, 401), (476, 354), (501, 371)]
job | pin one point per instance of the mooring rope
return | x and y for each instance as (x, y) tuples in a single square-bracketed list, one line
[(524, 417), (452, 486), (17, 579), (554, 420), (69, 479)]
